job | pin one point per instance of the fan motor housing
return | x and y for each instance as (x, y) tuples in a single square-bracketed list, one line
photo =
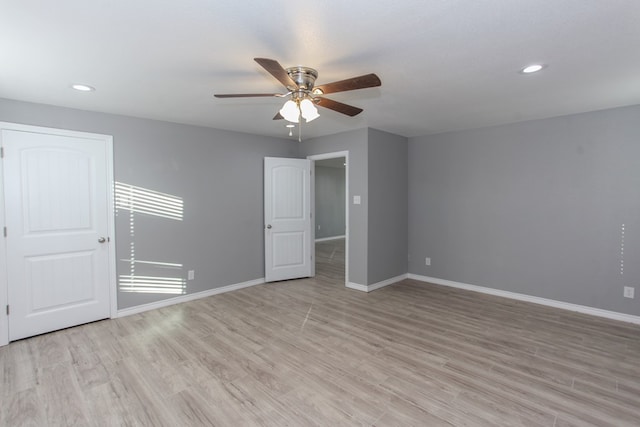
[(304, 77)]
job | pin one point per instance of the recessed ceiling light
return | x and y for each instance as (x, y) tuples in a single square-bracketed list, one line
[(83, 88), (533, 68)]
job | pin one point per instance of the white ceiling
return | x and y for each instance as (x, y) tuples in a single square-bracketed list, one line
[(444, 64)]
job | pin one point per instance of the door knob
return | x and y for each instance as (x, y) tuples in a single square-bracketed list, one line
[(102, 240), (269, 226)]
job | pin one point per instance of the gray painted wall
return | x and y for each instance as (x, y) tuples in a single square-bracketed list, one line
[(378, 226), (388, 204), (534, 207), (356, 143), (218, 174), (330, 200)]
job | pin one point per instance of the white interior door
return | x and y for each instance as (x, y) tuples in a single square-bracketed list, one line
[(287, 216), (57, 201)]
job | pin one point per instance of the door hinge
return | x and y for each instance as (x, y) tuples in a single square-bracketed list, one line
[(8, 309), (2, 152), (4, 231)]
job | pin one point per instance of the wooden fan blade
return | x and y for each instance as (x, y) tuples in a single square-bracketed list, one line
[(244, 95), (276, 70), (360, 82), (349, 110), (278, 116)]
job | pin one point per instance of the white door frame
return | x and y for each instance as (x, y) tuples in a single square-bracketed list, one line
[(4, 285), (324, 156)]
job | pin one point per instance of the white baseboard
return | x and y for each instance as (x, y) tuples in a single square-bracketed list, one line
[(528, 298), (382, 284), (357, 287), (387, 282), (189, 297), (629, 318), (325, 239)]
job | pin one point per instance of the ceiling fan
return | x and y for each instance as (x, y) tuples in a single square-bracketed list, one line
[(304, 95)]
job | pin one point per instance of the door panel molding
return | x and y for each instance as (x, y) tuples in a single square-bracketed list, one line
[(107, 147)]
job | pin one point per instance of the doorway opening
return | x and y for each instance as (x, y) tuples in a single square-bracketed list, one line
[(330, 193)]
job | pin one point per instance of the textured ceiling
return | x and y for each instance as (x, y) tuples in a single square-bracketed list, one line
[(444, 64)]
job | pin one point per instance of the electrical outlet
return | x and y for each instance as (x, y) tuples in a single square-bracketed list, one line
[(427, 261), (629, 292), (191, 274)]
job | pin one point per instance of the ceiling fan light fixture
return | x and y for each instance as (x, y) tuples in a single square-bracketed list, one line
[(309, 111), (290, 111), (302, 93)]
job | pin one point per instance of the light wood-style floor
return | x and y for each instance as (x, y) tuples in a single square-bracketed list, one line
[(310, 352)]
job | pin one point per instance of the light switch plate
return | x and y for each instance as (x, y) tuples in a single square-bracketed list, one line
[(356, 200)]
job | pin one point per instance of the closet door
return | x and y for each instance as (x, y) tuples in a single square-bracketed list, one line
[(57, 214)]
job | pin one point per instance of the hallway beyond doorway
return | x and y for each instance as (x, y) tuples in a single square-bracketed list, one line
[(330, 264)]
